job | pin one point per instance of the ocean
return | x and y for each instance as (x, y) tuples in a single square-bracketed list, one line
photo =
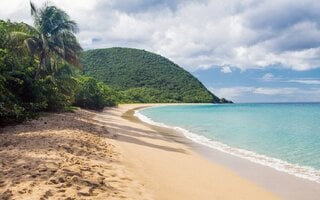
[(284, 136)]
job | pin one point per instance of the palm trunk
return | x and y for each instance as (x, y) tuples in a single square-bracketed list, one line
[(41, 64), (37, 76)]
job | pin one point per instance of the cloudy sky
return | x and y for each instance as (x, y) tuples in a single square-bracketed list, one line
[(247, 51)]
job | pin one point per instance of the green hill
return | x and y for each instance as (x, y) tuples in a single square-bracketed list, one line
[(141, 76)]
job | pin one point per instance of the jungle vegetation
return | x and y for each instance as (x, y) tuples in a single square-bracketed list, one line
[(40, 69), (144, 77)]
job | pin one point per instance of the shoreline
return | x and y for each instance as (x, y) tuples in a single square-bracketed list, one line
[(284, 184), (112, 155), (304, 172), (171, 169)]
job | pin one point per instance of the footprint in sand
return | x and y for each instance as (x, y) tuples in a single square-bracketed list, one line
[(70, 198), (6, 195), (2, 183), (23, 191), (61, 179), (33, 184), (46, 195), (61, 191), (53, 181)]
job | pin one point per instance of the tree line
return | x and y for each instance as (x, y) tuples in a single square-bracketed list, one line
[(40, 68), (144, 77)]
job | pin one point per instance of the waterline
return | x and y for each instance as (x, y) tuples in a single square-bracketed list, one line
[(305, 172)]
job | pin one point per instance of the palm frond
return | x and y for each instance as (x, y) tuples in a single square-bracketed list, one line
[(53, 41), (18, 36), (33, 9), (32, 45), (16, 40)]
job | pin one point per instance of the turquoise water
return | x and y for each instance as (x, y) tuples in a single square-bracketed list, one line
[(283, 136)]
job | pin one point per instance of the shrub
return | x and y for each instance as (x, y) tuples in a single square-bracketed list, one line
[(93, 95)]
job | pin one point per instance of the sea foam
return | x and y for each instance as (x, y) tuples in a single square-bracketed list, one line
[(305, 172)]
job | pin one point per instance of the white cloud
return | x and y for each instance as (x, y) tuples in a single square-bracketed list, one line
[(274, 91), (268, 77), (231, 92), (198, 33), (306, 81), (258, 94), (226, 70)]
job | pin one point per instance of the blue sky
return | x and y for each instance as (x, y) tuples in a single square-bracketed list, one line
[(246, 51), (274, 84)]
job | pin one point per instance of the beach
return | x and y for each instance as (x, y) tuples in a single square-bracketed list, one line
[(112, 155), (159, 100)]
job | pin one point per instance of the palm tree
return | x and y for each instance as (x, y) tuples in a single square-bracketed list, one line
[(52, 39)]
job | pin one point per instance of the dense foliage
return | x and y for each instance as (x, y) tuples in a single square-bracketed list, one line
[(37, 68), (142, 76), (93, 94), (20, 94)]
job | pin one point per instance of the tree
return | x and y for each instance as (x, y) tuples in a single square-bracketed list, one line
[(51, 40), (93, 94)]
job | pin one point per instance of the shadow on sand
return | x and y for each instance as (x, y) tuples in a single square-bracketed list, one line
[(51, 149)]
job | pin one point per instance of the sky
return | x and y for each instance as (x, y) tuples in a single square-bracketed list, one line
[(246, 51)]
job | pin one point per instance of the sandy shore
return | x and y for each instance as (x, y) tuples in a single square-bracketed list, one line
[(64, 156), (91, 155)]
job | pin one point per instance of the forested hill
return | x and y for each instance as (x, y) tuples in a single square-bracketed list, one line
[(142, 76)]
